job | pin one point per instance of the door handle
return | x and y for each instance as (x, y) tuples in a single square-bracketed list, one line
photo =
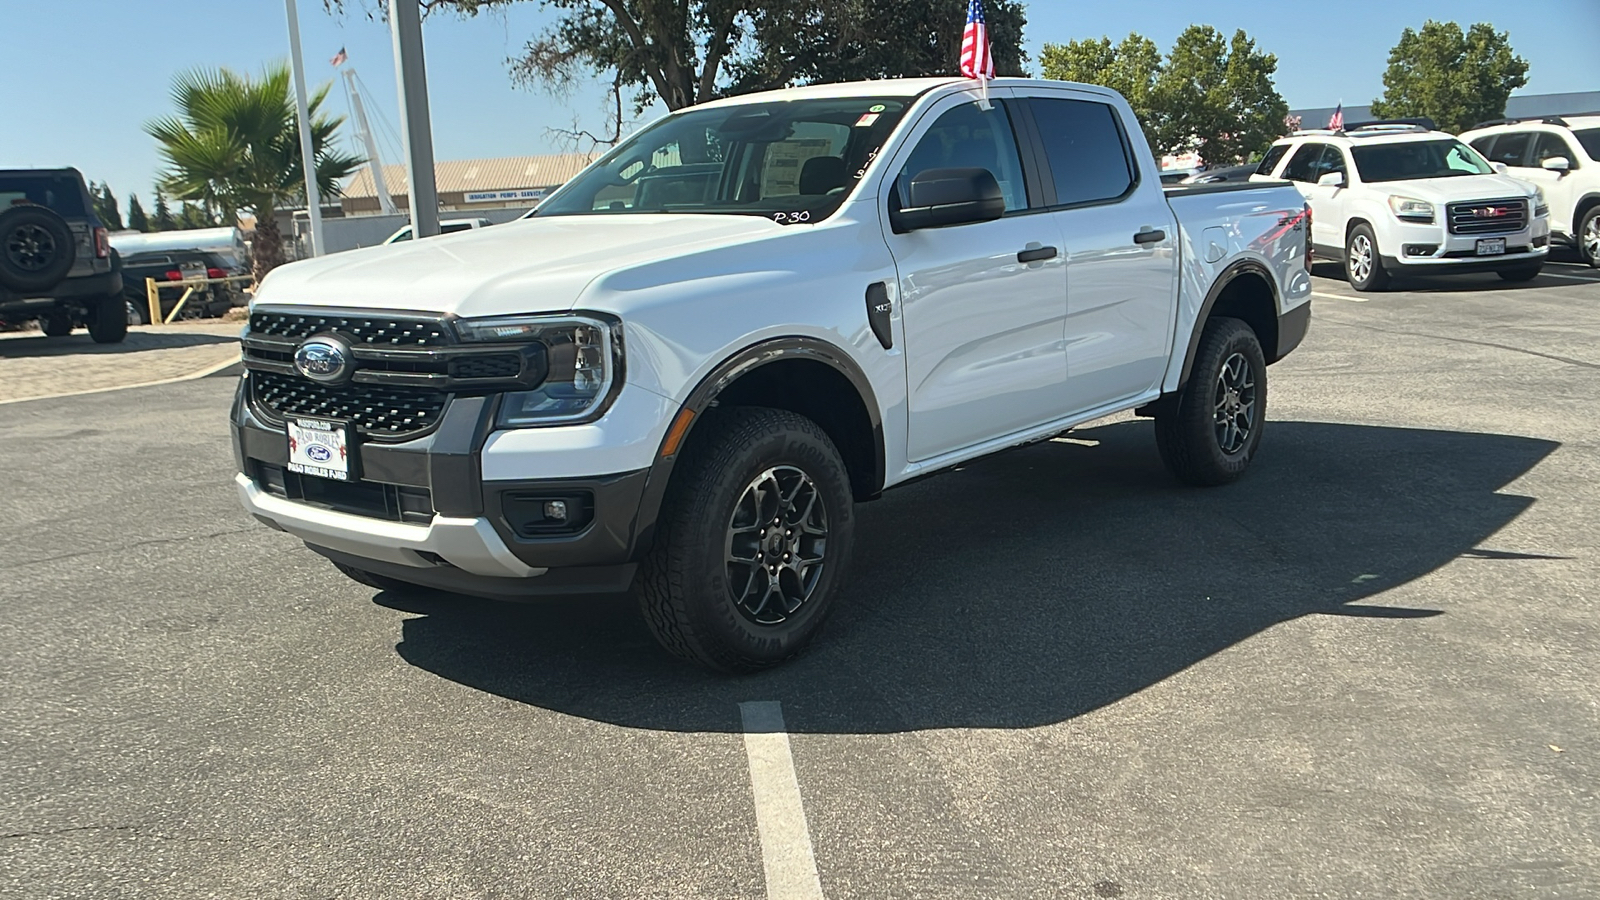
[(1036, 254), (1150, 237)]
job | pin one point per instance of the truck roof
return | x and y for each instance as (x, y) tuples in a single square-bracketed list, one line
[(893, 87)]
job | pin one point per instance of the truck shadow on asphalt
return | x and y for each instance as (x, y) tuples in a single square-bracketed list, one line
[(36, 346), (1035, 586)]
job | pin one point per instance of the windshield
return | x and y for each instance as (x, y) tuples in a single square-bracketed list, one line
[(1418, 159), (1590, 139), (792, 161)]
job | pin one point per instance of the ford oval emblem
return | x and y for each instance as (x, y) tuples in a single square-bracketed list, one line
[(324, 358), (319, 453)]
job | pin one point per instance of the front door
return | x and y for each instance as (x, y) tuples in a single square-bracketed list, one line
[(1560, 188), (983, 327)]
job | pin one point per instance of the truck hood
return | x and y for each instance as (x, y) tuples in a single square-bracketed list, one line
[(528, 266), (1459, 189)]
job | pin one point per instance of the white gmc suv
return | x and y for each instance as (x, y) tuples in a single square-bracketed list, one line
[(686, 369), (1398, 198), (1560, 154)]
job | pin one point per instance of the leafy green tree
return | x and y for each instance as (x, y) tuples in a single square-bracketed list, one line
[(137, 220), (105, 206), (1455, 78), (234, 146), (1129, 68), (193, 215), (163, 220), (690, 51), (1216, 96)]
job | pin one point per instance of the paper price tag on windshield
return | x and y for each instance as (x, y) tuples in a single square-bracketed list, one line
[(866, 120)]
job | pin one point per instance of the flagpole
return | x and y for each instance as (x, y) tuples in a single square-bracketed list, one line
[(313, 202)]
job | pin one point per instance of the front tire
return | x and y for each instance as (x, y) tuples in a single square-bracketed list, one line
[(56, 324), (1589, 237), (1363, 264), (1208, 434), (1521, 273), (753, 543), (108, 321)]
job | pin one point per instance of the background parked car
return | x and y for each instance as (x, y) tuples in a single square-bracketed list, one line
[(448, 226), (178, 265), (56, 264), (1560, 154), (1222, 173)]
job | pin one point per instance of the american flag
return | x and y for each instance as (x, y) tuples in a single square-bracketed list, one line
[(976, 61), (1336, 123), (339, 58)]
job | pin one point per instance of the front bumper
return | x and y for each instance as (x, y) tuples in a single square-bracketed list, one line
[(422, 511), (1447, 252)]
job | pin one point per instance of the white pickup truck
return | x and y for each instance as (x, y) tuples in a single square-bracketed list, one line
[(682, 374)]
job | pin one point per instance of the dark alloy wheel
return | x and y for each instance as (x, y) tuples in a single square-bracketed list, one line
[(36, 248), (1589, 237), (1209, 432), (753, 540), (1363, 264)]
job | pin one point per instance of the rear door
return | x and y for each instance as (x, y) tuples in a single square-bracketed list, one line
[(983, 326), (1120, 240)]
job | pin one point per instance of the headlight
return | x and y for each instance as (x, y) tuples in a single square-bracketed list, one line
[(1541, 206), (1411, 210), (583, 356)]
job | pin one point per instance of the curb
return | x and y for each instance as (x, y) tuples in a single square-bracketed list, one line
[(217, 369)]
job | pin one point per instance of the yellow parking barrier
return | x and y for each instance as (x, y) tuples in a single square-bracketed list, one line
[(152, 290)]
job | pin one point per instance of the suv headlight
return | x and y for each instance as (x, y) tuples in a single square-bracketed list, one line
[(1410, 209), (1541, 206), (583, 355)]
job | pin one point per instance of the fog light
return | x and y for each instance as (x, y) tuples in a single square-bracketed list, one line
[(555, 510)]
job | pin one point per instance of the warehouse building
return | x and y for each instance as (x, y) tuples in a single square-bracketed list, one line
[(471, 185)]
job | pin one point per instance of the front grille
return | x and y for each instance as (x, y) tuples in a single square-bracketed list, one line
[(376, 331), (397, 503), (379, 411), (1488, 216), (500, 365)]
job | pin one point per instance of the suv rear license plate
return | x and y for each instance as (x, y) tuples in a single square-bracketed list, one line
[(1491, 246), (321, 447)]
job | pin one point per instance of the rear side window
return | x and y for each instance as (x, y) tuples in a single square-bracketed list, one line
[(1087, 154), (1270, 162), (1511, 148), (58, 192), (1303, 165)]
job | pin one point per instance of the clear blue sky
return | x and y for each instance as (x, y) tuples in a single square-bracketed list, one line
[(112, 61)]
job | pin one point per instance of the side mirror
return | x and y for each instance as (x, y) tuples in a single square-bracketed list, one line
[(1500, 168), (1332, 179), (943, 197), (1556, 164)]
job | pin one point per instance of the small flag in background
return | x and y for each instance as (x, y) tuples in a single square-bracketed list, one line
[(976, 61), (339, 58), (1337, 122)]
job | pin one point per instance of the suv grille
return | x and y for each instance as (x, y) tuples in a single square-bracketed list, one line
[(1488, 216), (380, 331), (379, 411)]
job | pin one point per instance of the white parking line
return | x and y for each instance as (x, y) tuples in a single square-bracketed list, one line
[(1327, 296), (1569, 277), (780, 816)]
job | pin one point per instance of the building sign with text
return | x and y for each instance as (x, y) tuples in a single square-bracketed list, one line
[(505, 196)]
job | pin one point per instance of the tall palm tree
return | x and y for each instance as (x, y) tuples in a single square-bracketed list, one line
[(234, 145)]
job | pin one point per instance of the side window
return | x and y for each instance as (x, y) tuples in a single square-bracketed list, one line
[(1270, 161), (1511, 148), (1485, 145), (1551, 145), (1303, 164), (1088, 156), (968, 137), (1332, 161)]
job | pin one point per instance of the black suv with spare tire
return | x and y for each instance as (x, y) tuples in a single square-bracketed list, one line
[(56, 264)]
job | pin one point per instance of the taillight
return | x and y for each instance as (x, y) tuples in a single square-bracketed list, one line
[(1309, 251), (216, 273), (174, 275), (102, 243)]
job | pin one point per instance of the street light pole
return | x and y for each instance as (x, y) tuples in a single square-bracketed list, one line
[(313, 202), (406, 24)]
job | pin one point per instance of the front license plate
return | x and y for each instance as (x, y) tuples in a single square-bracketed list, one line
[(1491, 246), (320, 447)]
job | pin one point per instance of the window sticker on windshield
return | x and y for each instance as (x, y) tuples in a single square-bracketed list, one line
[(866, 120), (877, 107)]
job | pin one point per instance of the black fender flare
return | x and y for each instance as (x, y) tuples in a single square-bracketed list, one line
[(726, 373), (1234, 270)]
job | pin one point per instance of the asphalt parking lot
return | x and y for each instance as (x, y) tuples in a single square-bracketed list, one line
[(1370, 669)]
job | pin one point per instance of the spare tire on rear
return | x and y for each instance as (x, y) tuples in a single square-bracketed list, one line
[(36, 249)]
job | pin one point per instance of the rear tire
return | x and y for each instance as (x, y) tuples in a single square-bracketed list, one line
[(1208, 434), (1521, 273), (753, 542), (56, 324), (373, 580), (108, 321), (1363, 264)]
